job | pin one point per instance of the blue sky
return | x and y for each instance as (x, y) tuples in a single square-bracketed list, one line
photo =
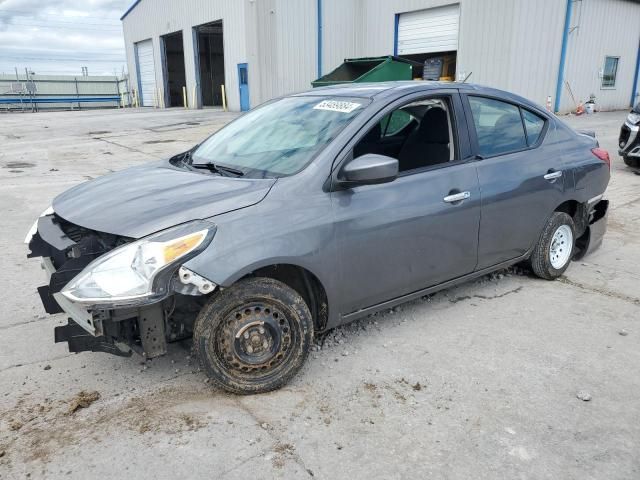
[(62, 36)]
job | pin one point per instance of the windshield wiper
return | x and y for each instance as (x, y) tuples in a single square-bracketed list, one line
[(219, 169)]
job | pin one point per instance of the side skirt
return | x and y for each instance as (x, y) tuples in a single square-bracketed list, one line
[(426, 291)]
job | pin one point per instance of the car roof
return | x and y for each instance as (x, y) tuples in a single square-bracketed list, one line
[(378, 90)]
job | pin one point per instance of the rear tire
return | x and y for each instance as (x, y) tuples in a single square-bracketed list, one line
[(254, 336), (552, 254)]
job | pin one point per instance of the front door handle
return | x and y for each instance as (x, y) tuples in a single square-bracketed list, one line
[(457, 197), (553, 175)]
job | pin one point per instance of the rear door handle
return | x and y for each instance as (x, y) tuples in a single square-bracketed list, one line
[(457, 197), (553, 175)]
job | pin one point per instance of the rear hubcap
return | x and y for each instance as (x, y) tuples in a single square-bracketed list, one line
[(561, 246), (254, 338)]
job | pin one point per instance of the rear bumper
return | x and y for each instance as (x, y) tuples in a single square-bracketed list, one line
[(592, 239)]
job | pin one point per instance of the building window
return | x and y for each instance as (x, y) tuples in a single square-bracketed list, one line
[(609, 72)]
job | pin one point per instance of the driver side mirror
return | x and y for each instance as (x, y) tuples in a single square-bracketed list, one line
[(368, 169)]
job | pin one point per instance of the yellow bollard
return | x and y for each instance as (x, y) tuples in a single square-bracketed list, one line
[(184, 97), (155, 100), (135, 98), (224, 98), (160, 101), (193, 98)]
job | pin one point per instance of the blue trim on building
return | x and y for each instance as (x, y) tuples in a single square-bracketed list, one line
[(634, 89), (563, 55), (396, 22), (319, 54), (134, 5)]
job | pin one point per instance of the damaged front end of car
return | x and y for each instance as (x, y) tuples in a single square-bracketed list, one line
[(121, 295)]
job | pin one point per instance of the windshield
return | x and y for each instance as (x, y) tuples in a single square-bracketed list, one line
[(280, 138)]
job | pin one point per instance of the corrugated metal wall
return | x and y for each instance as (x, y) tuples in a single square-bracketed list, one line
[(509, 44), (518, 50), (342, 32), (283, 47), (600, 28)]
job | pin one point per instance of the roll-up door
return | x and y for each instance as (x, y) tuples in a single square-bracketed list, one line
[(146, 72), (429, 31)]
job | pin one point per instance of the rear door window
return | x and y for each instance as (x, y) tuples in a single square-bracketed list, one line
[(498, 126)]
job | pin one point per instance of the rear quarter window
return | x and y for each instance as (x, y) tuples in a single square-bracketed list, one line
[(534, 125)]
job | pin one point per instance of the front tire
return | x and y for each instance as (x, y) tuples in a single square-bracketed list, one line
[(254, 336), (554, 250)]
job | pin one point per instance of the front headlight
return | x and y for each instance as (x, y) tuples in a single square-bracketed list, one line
[(132, 274), (633, 118)]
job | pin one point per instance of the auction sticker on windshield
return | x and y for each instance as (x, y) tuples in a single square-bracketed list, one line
[(337, 106)]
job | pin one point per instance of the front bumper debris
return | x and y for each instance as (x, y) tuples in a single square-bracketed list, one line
[(66, 250), (79, 340), (57, 303)]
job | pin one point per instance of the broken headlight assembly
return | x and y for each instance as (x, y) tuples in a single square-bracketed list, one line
[(139, 272), (633, 118)]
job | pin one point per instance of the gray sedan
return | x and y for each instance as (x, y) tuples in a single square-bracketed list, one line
[(311, 211)]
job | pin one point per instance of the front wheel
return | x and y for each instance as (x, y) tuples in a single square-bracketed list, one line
[(553, 252), (254, 336)]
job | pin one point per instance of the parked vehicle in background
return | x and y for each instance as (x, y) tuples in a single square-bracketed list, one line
[(311, 211), (629, 141)]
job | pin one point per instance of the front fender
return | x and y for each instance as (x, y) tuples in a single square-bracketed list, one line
[(274, 232)]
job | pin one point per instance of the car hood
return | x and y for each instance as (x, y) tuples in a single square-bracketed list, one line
[(142, 200)]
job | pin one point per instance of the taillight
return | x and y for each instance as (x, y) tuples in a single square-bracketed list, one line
[(603, 155)]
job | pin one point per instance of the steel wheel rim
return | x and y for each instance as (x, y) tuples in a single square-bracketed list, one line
[(255, 339), (561, 247)]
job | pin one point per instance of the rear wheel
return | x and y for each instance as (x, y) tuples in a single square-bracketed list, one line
[(254, 336), (552, 254)]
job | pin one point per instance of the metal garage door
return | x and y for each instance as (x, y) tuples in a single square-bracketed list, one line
[(428, 31), (146, 72)]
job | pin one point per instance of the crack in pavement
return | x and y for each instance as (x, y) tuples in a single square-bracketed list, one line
[(240, 464), (44, 360), (504, 294), (485, 297), (131, 149), (296, 456), (19, 324), (606, 293)]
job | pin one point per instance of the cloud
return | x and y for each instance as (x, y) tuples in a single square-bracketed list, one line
[(61, 36)]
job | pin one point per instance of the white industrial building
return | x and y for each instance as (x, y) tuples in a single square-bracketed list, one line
[(259, 49)]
